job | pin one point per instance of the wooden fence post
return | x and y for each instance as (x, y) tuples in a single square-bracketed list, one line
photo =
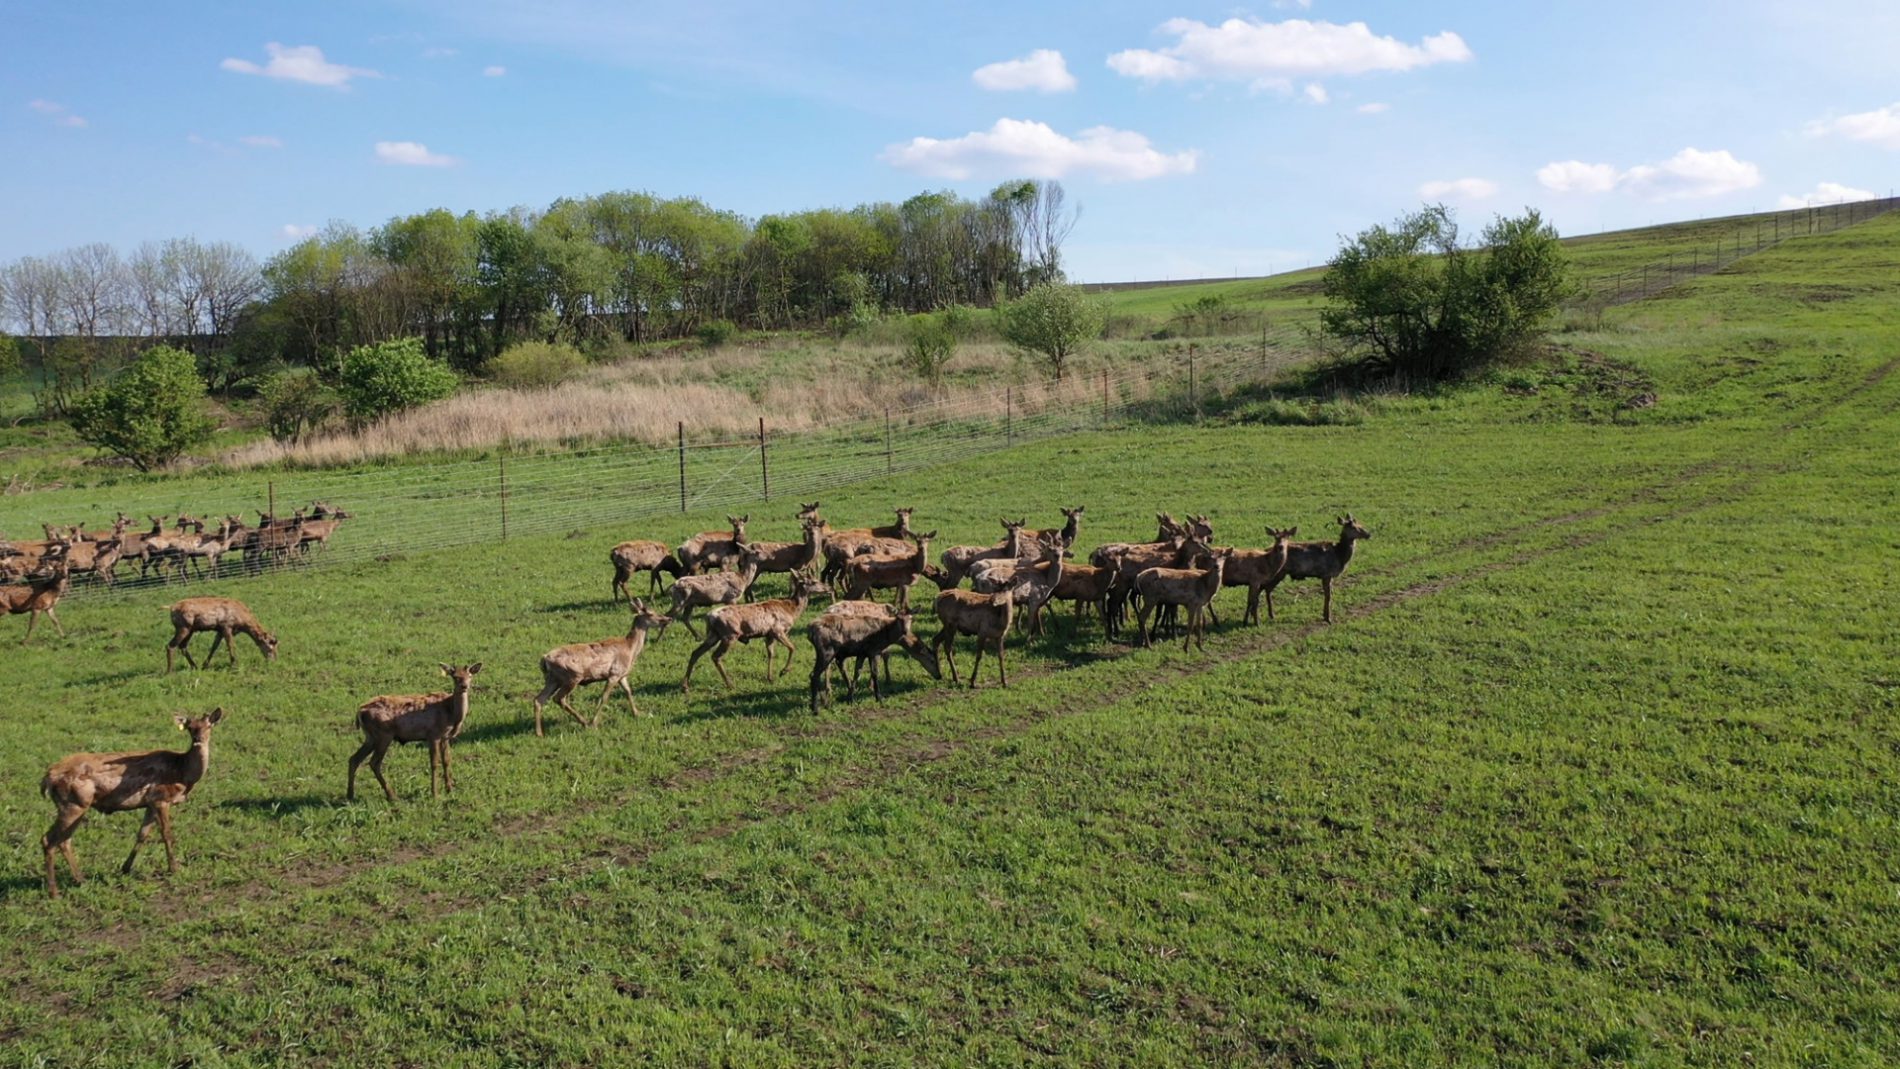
[(682, 427), (502, 458), (1009, 414), (888, 463), (765, 472)]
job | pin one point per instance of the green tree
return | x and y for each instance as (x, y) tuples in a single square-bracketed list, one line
[(150, 414), (9, 355), (1411, 299), (1052, 321), (296, 403), (536, 365), (391, 376), (930, 340)]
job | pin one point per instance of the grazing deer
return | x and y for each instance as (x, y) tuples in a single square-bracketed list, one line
[(888, 572), (1324, 561), (152, 780), (432, 718), (1189, 588), (958, 560), (841, 546), (226, 617), (1255, 568), (861, 630), (38, 596), (786, 558), (719, 588), (608, 661), (709, 550), (729, 625), (643, 555)]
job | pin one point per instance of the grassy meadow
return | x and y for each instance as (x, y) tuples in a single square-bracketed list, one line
[(1596, 765)]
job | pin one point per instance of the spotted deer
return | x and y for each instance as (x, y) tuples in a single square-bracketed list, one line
[(1324, 561)]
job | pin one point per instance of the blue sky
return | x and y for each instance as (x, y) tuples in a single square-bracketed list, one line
[(1196, 139)]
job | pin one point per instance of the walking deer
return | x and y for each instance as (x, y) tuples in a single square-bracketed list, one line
[(710, 550), (1324, 561), (729, 625), (985, 617), (861, 630), (152, 780), (786, 558), (432, 718), (38, 596), (608, 661), (227, 618), (719, 588), (643, 555)]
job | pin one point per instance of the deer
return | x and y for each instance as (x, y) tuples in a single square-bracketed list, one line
[(1067, 533), (888, 572), (719, 588), (227, 618), (38, 596), (152, 780), (729, 625), (274, 540), (1255, 568), (1130, 560), (841, 546), (1034, 580), (958, 560), (861, 630), (712, 549), (785, 558), (643, 555), (432, 718), (1087, 584), (986, 617), (1324, 561), (1190, 588), (322, 523), (608, 661)]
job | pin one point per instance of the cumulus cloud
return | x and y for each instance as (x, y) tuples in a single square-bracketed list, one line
[(296, 231), (261, 141), (1270, 54), (1880, 126), (1459, 189), (300, 63), (494, 71), (412, 154), (1316, 93), (60, 114), (1826, 193), (1032, 149), (1042, 70), (1689, 174), (1374, 108)]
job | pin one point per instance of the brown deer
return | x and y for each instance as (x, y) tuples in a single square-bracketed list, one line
[(985, 617), (1086, 585), (432, 718), (1130, 560), (1324, 561), (958, 560), (1034, 580), (1255, 568), (861, 630), (841, 546), (729, 625), (710, 550), (38, 596), (1067, 533), (226, 617), (317, 530), (888, 571), (608, 661), (152, 780), (643, 555), (786, 558), (719, 588), (1190, 588)]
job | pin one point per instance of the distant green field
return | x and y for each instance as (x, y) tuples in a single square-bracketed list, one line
[(1599, 764)]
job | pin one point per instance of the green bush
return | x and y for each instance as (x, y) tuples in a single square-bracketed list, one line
[(1283, 412), (536, 365), (718, 333), (930, 342), (1051, 322), (9, 355), (296, 403), (150, 414), (391, 376)]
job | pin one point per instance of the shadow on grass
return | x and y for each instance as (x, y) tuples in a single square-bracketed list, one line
[(25, 886), (279, 808), (588, 605), (505, 727)]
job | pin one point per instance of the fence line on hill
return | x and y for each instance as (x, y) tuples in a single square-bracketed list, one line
[(643, 488)]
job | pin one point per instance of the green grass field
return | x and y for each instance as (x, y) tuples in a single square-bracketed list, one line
[(1597, 765)]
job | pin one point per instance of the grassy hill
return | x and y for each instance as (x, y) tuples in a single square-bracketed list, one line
[(1597, 765)]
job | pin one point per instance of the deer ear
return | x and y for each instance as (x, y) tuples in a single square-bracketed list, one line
[(216, 715), (446, 670), (179, 720), (475, 669)]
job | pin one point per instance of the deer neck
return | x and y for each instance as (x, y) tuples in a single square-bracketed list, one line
[(458, 704), (1342, 550), (197, 759)]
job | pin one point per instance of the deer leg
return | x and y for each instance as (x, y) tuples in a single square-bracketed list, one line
[(435, 756), (686, 685), (369, 746), (1002, 666), (145, 832), (1141, 623), (978, 663), (560, 699), (600, 710), (376, 767), (216, 637), (687, 619), (790, 649), (164, 811), (230, 646), (627, 685), (60, 837), (1326, 586), (448, 784), (948, 644), (32, 617)]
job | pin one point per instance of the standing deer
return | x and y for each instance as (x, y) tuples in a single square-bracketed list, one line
[(1190, 588), (152, 780), (608, 661), (646, 556), (958, 560), (785, 558), (985, 617), (228, 617), (729, 625), (1255, 568), (861, 630), (432, 718), (1324, 561), (38, 596), (1069, 531), (719, 588), (897, 572), (709, 550), (841, 546)]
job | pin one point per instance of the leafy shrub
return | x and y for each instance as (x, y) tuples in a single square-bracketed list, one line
[(392, 376), (930, 342), (536, 365), (1052, 322), (296, 403), (150, 414), (1283, 412), (9, 355), (717, 333)]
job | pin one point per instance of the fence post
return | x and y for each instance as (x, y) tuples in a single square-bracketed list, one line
[(1009, 414), (270, 492), (502, 459), (887, 440), (1263, 345), (1194, 397), (1104, 397), (765, 471), (682, 427)]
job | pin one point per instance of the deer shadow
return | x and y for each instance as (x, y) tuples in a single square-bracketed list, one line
[(491, 730), (21, 886), (588, 605), (279, 808)]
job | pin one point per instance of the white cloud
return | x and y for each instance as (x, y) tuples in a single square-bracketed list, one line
[(437, 52), (1881, 126), (1826, 193), (1032, 149), (1316, 93), (261, 141), (300, 63), (494, 71), (1689, 174), (1374, 108), (296, 231), (412, 154), (58, 113), (1459, 189), (1270, 53), (1042, 70)]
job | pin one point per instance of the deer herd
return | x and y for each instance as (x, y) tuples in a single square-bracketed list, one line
[(1169, 581)]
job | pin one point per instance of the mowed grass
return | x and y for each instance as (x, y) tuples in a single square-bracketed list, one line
[(1596, 765)]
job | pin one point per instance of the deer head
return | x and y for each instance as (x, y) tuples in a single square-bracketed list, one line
[(647, 617), (1350, 528)]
